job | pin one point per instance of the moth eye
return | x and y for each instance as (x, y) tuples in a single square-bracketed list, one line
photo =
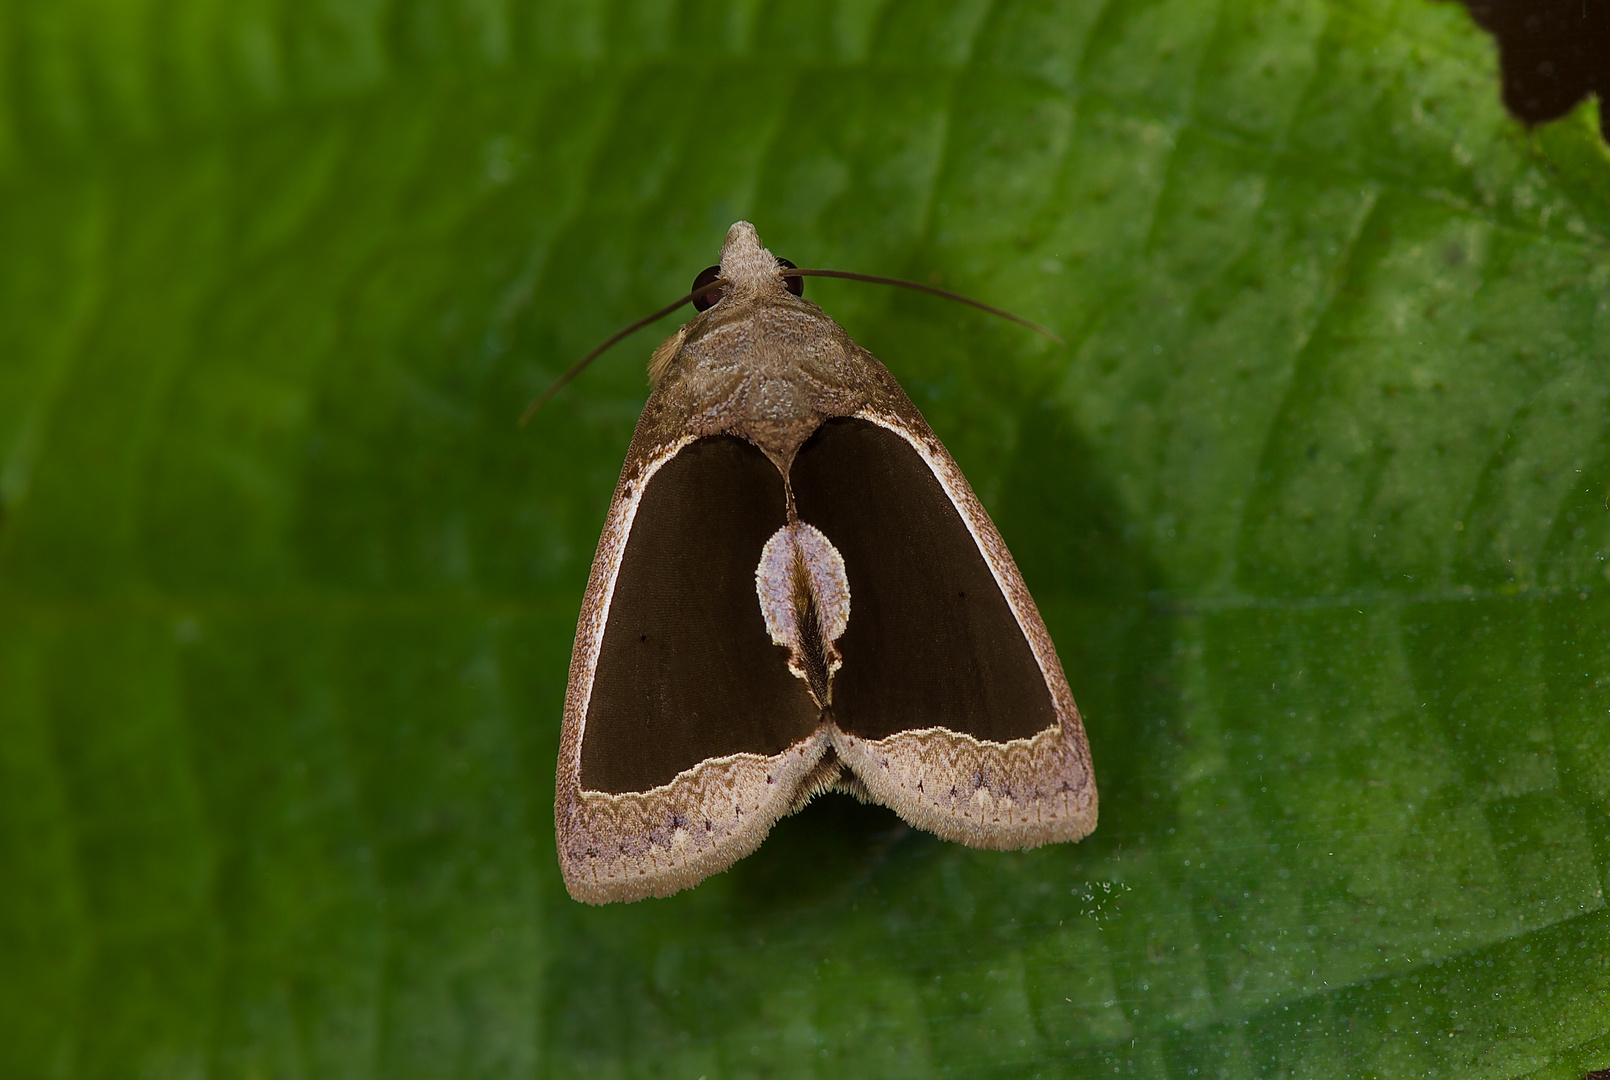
[(796, 285), (709, 299)]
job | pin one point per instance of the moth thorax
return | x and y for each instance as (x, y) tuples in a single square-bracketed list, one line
[(805, 598)]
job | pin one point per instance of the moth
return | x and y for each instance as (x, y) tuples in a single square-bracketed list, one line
[(796, 592)]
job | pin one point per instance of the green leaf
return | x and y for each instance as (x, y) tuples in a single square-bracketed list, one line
[(1314, 501)]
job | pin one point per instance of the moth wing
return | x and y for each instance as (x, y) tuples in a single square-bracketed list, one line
[(685, 733), (950, 702)]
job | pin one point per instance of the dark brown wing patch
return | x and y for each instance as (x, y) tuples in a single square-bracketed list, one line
[(931, 640), (687, 670)]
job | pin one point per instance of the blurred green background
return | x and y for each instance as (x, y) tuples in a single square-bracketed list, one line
[(1314, 502)]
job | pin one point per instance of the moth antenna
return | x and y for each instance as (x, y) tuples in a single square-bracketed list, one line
[(849, 275), (581, 365)]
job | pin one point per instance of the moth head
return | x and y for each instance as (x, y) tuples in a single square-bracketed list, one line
[(747, 271), (752, 277)]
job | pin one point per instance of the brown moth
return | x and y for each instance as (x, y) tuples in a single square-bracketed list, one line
[(796, 592)]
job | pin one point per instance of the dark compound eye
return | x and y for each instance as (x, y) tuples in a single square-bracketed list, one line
[(796, 285), (709, 299)]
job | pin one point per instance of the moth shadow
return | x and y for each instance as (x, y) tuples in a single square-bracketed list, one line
[(1090, 567), (835, 844)]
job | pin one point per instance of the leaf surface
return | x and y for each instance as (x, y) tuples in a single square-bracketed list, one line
[(1316, 502)]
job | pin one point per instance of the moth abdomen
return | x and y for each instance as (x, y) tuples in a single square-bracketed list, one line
[(812, 639), (803, 593)]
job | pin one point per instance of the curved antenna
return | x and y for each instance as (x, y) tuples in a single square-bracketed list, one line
[(850, 275), (581, 365)]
